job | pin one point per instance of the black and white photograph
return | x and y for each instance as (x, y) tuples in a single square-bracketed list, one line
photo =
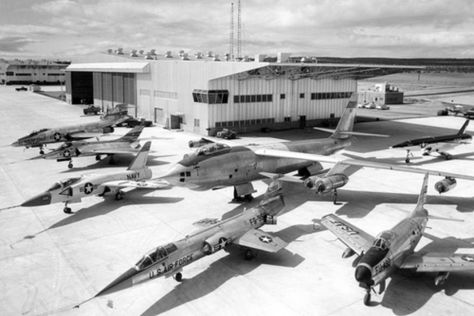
[(236, 157)]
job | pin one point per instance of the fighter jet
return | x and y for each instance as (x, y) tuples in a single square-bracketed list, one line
[(438, 144), (73, 132), (218, 165), (241, 229), (125, 145), (378, 258), (72, 190)]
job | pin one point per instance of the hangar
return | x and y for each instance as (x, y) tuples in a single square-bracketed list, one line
[(204, 95)]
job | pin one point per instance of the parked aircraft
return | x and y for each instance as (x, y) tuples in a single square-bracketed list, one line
[(72, 190), (241, 229), (127, 144), (439, 144), (457, 108), (378, 258), (217, 165), (73, 132)]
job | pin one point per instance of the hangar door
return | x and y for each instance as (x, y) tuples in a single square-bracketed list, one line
[(81, 87)]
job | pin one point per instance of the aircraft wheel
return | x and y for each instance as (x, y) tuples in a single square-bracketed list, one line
[(448, 157), (119, 195), (67, 210), (178, 277), (248, 254), (70, 165), (41, 152), (367, 299), (97, 157), (407, 160)]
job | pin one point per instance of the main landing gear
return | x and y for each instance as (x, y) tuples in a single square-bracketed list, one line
[(41, 150), (178, 277), (245, 198), (367, 297), (97, 157), (67, 209), (119, 195), (409, 153), (70, 165), (334, 195)]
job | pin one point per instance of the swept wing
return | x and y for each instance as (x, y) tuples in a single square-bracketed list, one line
[(353, 237), (356, 162), (135, 184), (260, 240), (435, 262)]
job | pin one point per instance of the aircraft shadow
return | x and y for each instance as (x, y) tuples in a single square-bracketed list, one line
[(106, 206), (231, 266), (414, 161), (408, 291)]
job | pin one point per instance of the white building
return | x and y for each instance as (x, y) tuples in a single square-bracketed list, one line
[(206, 95), (32, 71)]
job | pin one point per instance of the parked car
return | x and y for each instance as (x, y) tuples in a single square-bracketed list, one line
[(199, 142), (132, 122), (21, 88), (92, 109), (227, 134)]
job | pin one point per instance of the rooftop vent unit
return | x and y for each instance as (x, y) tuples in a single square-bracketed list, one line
[(141, 51), (168, 54), (216, 58), (185, 56), (133, 53), (153, 52), (119, 51), (181, 53), (110, 51), (198, 55), (148, 56), (210, 54)]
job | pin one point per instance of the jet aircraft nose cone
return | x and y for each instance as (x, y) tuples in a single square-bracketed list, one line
[(40, 199), (363, 274), (120, 283), (15, 144)]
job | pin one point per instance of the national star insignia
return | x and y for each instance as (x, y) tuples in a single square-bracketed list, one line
[(265, 239), (88, 188)]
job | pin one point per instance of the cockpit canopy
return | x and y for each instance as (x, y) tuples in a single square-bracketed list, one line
[(64, 183), (383, 241), (210, 149), (38, 131), (156, 255)]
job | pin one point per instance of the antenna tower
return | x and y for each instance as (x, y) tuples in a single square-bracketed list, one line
[(231, 39), (239, 31)]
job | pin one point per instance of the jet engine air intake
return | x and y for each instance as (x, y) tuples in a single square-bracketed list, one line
[(445, 185), (108, 129), (213, 244), (326, 184)]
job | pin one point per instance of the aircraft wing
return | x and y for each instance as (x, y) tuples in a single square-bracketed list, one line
[(260, 240), (435, 262), (358, 162), (79, 135), (353, 237), (136, 184), (110, 151)]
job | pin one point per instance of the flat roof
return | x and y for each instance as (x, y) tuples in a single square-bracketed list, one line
[(130, 67)]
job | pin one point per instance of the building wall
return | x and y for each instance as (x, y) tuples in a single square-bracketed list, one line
[(32, 73), (111, 89)]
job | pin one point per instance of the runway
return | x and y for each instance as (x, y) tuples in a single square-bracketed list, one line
[(51, 261)]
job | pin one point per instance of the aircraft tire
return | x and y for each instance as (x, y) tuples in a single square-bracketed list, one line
[(367, 299), (67, 210), (407, 160), (178, 277), (97, 157), (70, 165), (248, 254), (41, 152), (119, 195)]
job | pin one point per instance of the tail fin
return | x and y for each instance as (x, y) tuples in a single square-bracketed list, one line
[(132, 134), (346, 123), (422, 197), (463, 128), (139, 162), (115, 114)]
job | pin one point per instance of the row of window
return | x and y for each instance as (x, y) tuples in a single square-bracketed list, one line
[(253, 98), (24, 74), (330, 95), (211, 96), (165, 94), (245, 122)]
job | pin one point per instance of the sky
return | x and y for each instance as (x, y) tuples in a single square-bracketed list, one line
[(338, 28)]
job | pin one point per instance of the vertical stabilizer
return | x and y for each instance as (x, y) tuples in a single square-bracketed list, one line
[(463, 128), (139, 162), (423, 193), (346, 123)]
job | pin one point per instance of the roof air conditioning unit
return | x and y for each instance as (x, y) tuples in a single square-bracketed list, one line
[(216, 58), (110, 51), (119, 51), (181, 53), (185, 56), (141, 51), (210, 54), (168, 54), (148, 56), (153, 52), (133, 53), (198, 55)]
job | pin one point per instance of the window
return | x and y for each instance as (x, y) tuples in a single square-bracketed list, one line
[(196, 122), (301, 95), (10, 73), (282, 96), (252, 98), (212, 96)]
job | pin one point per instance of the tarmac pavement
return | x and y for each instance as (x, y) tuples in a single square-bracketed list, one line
[(51, 261)]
